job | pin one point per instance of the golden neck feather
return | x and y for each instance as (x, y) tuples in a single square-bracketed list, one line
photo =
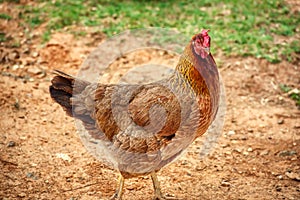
[(188, 78)]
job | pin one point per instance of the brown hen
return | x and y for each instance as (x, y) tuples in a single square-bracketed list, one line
[(138, 129)]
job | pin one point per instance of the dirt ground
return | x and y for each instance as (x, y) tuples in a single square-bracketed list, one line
[(42, 157)]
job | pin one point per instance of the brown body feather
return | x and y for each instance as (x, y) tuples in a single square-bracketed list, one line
[(144, 127)]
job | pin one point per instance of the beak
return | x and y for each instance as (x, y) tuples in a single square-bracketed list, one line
[(207, 50)]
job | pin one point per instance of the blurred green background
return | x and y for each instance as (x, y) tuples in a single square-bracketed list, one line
[(262, 29)]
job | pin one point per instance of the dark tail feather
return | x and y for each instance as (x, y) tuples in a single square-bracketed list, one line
[(62, 98), (64, 87)]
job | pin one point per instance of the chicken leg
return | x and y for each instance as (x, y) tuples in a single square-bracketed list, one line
[(119, 190), (157, 190)]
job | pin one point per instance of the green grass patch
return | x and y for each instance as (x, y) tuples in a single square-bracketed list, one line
[(248, 28), (32, 16), (5, 16), (46, 36), (2, 37), (11, 1), (293, 93)]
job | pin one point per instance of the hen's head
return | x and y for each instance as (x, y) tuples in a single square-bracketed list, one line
[(201, 43)]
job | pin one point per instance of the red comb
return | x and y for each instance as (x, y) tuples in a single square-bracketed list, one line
[(206, 38), (204, 32)]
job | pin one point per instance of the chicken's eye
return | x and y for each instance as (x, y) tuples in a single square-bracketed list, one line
[(199, 40)]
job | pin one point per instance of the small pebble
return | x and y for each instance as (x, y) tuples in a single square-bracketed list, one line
[(225, 184), (250, 130), (238, 150), (13, 55), (244, 138), (184, 162), (91, 192), (223, 145), (35, 54), (41, 75), (22, 195), (15, 67), (278, 188), (296, 126), (264, 153), (30, 175), (293, 176), (234, 141), (287, 153), (34, 70), (198, 168), (17, 104), (280, 121), (231, 133), (11, 144), (26, 50)]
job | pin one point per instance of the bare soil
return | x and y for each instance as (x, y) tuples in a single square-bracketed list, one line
[(42, 157)]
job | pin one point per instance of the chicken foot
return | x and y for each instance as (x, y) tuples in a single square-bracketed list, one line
[(119, 191), (157, 190)]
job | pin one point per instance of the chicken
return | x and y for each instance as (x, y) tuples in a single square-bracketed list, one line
[(138, 129)]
